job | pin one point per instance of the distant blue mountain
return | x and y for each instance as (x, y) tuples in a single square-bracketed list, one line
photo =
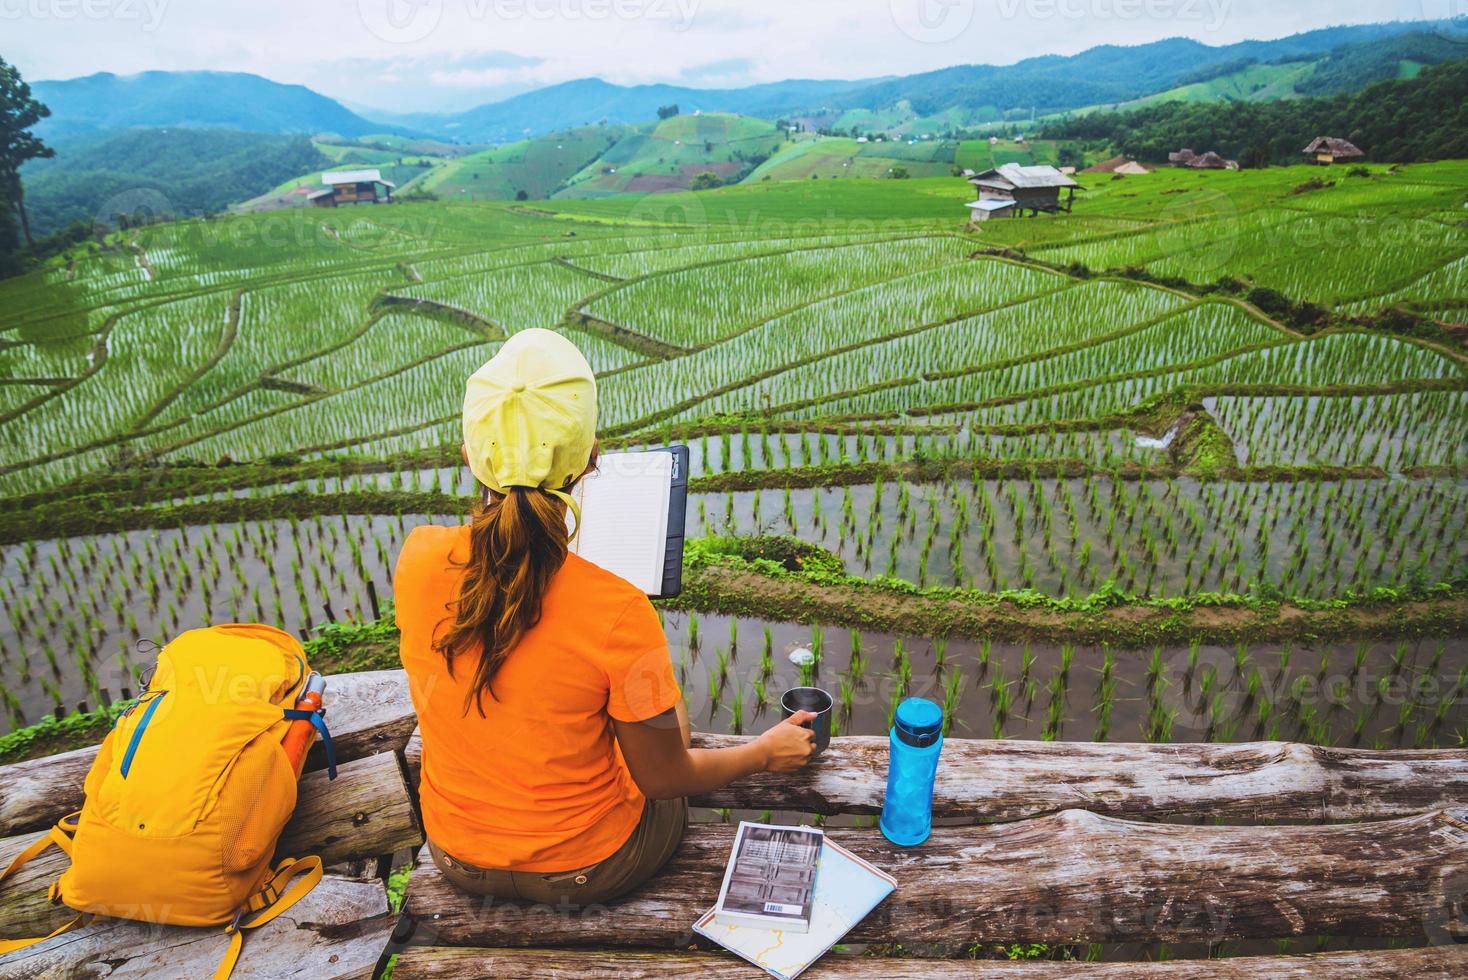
[(588, 101), (1052, 83), (191, 99)]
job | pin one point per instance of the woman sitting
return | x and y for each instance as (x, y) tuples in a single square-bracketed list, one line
[(556, 756)]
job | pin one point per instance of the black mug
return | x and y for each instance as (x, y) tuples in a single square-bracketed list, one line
[(811, 699)]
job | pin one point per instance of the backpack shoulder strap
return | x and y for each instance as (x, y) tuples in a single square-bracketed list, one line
[(279, 893), (59, 836)]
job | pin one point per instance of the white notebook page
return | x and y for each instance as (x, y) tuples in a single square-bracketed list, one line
[(624, 517)]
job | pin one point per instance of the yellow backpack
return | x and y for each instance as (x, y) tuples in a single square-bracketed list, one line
[(190, 791)]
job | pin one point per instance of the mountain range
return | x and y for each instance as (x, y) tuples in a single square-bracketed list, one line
[(955, 97)]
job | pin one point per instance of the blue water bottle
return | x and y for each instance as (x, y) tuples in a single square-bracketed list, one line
[(915, 741)]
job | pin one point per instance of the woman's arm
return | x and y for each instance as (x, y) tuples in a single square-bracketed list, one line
[(665, 768)]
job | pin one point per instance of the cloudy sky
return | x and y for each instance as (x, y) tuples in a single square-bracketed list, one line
[(409, 55)]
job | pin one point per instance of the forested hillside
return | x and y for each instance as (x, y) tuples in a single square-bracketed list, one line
[(200, 99), (1425, 118), (174, 171)]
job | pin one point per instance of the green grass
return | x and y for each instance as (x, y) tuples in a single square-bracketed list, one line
[(669, 155), (538, 167)]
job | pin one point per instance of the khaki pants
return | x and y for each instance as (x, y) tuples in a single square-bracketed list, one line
[(652, 843)]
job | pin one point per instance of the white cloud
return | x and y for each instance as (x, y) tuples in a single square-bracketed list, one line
[(479, 50)]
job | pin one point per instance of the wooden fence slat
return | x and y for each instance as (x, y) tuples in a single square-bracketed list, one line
[(450, 963), (367, 713), (364, 812), (1074, 877), (1001, 780), (337, 932)]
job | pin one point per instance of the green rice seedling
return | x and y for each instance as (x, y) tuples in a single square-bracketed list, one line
[(952, 695), (733, 639), (1055, 713), (892, 702), (736, 709), (807, 673), (1363, 650), (723, 663), (1400, 655), (1000, 698), (1105, 699)]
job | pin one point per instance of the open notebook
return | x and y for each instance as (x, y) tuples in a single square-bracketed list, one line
[(633, 510), (847, 888)]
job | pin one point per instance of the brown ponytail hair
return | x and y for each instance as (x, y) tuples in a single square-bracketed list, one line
[(517, 543)]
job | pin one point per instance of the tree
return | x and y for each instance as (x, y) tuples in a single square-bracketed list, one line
[(668, 111), (706, 181), (18, 113), (899, 173), (522, 195)]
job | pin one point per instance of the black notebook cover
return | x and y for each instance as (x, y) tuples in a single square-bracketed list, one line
[(677, 524)]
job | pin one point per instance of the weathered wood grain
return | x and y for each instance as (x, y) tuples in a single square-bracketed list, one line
[(37, 793), (1008, 780), (337, 932), (367, 713), (365, 812), (449, 963), (1074, 877)]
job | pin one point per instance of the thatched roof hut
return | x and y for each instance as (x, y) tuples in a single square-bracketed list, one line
[(1212, 161), (1328, 149), (1117, 165)]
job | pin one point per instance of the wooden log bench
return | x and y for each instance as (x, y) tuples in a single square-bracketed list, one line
[(1066, 844), (1060, 843), (340, 930)]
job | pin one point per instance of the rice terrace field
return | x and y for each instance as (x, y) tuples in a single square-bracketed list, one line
[(1189, 463)]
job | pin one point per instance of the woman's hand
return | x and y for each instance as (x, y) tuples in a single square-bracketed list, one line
[(665, 768), (789, 746)]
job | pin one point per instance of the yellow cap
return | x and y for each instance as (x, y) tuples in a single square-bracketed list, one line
[(530, 415)]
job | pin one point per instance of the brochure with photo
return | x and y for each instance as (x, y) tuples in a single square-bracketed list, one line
[(771, 877), (847, 888)]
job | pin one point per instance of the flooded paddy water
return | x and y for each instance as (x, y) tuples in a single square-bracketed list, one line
[(83, 617)]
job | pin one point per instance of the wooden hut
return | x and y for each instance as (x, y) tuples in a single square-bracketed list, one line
[(352, 187), (1211, 161), (1182, 157), (1327, 150), (1118, 165), (1012, 189)]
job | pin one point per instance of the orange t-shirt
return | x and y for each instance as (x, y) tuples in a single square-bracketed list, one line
[(539, 784)]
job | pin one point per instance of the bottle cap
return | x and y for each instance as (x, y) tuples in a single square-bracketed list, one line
[(919, 722)]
